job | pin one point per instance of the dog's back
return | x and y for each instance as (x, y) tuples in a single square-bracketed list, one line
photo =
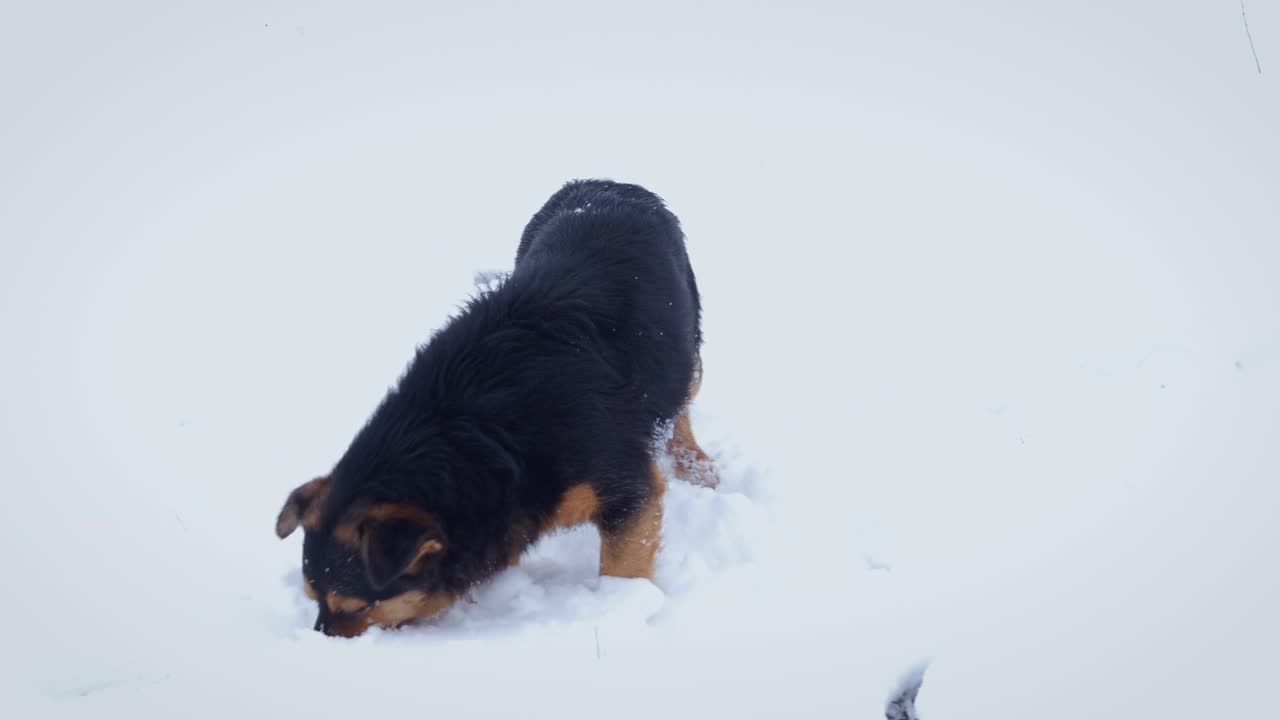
[(618, 248)]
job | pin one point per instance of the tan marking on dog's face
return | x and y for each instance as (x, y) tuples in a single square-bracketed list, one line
[(361, 531), (340, 603), (425, 551), (578, 505), (389, 613), (347, 627), (309, 589), (399, 511), (348, 534), (408, 606)]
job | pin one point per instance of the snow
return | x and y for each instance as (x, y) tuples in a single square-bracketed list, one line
[(992, 362)]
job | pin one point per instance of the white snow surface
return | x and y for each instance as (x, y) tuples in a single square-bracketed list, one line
[(991, 298)]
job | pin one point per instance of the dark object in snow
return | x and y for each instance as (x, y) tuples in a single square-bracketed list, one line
[(902, 704), (534, 408)]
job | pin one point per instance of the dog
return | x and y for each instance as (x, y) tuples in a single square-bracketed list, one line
[(542, 404)]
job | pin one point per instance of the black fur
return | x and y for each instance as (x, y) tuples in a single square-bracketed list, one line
[(557, 377)]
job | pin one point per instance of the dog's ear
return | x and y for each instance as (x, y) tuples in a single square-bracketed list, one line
[(397, 539), (303, 506)]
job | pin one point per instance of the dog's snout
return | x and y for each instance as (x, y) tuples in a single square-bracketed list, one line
[(340, 624)]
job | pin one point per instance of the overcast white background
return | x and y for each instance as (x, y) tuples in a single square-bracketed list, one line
[(990, 295)]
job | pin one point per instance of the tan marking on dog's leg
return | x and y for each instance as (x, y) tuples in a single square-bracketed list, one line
[(693, 465), (630, 551), (578, 505)]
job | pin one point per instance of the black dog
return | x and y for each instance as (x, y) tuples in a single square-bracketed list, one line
[(537, 407)]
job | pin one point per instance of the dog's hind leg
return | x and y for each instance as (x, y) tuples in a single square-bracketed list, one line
[(692, 464), (629, 544)]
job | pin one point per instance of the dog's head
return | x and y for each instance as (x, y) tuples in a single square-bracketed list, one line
[(374, 563)]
